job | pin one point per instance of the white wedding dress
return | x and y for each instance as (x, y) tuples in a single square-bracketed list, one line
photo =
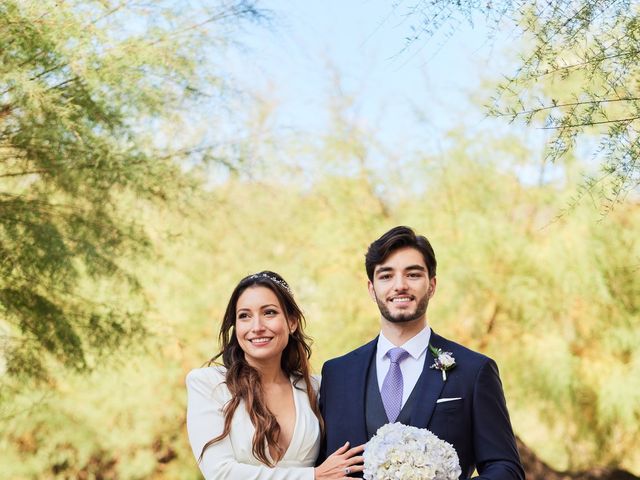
[(231, 458)]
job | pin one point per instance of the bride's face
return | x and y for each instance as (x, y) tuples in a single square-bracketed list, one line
[(262, 328)]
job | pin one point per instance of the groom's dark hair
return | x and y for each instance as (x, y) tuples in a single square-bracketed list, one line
[(394, 239)]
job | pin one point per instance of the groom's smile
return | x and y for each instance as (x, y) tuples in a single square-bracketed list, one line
[(404, 299)]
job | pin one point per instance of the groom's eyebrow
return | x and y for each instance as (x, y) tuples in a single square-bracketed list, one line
[(383, 269), (416, 267)]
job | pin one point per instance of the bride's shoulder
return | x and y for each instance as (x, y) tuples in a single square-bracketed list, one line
[(211, 376)]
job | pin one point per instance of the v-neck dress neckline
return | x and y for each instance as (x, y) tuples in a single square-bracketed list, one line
[(294, 392)]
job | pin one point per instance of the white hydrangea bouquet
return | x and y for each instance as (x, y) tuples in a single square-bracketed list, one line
[(401, 452)]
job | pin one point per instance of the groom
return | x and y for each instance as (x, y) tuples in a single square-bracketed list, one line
[(390, 379)]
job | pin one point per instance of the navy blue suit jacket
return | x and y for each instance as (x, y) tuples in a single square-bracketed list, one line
[(477, 426)]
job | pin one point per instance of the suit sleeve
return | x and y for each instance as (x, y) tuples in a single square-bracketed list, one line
[(494, 442), (205, 420)]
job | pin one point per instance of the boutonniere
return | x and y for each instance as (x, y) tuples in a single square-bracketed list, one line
[(443, 361)]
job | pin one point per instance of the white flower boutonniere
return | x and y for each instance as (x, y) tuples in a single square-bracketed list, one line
[(444, 361)]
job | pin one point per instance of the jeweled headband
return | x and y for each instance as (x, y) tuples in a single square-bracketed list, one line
[(282, 283)]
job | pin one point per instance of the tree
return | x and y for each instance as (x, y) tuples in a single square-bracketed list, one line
[(81, 84), (578, 78)]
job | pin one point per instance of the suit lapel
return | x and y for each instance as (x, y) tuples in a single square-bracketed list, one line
[(430, 385), (357, 372)]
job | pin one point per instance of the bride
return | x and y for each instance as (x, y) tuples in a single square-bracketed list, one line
[(257, 417)]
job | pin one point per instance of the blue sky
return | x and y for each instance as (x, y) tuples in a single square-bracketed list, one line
[(293, 62), (363, 42)]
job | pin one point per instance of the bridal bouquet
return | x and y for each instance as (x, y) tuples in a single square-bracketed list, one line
[(400, 452)]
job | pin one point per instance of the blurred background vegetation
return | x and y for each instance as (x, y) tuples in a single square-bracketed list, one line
[(123, 232)]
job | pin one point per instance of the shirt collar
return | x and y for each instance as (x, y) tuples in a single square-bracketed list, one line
[(414, 346)]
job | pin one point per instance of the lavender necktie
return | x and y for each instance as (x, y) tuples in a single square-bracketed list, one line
[(391, 391)]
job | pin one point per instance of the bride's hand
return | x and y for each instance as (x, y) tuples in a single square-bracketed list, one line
[(341, 463)]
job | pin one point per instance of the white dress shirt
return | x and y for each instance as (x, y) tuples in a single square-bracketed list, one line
[(411, 367), (232, 458)]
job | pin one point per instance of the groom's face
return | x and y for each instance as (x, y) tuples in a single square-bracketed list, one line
[(401, 286)]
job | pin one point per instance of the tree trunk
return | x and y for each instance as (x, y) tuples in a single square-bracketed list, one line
[(536, 469)]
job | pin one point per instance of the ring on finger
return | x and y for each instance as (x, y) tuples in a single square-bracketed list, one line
[(347, 470)]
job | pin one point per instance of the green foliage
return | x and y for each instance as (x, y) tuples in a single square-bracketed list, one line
[(79, 83), (578, 79)]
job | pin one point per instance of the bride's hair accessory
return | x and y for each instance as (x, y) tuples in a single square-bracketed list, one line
[(282, 283)]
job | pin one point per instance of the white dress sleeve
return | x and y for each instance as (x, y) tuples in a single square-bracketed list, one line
[(207, 395)]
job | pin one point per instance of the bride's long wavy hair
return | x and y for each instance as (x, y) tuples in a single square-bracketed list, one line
[(243, 381)]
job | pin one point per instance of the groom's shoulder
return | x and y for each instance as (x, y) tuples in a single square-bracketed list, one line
[(349, 357), (460, 352)]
